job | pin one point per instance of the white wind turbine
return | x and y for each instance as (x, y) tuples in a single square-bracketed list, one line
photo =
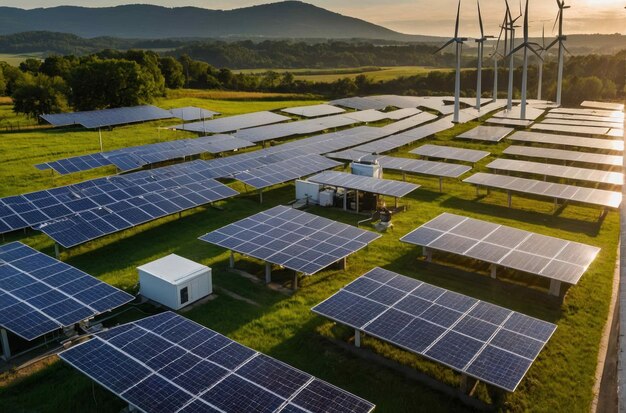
[(540, 68), (510, 27), (496, 56), (562, 49), (481, 47)]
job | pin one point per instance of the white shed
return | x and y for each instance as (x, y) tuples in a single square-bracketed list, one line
[(174, 281)]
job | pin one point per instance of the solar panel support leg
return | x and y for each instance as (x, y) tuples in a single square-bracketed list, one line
[(343, 263), (295, 281), (6, 350), (440, 185), (357, 338), (357, 201), (57, 253), (260, 196), (268, 273), (231, 263), (494, 271), (555, 288), (404, 176), (428, 254), (510, 200), (132, 409), (345, 200)]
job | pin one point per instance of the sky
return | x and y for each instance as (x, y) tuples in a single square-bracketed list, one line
[(419, 16)]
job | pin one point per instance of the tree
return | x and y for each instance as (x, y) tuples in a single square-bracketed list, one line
[(36, 95), (100, 84), (58, 66), (149, 61), (3, 84), (30, 66), (11, 75), (172, 71)]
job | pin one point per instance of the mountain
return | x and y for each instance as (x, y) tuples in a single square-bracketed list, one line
[(288, 19)]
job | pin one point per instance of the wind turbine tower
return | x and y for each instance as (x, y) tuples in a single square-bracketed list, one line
[(540, 68), (561, 41), (458, 41), (496, 56), (481, 48), (510, 27)]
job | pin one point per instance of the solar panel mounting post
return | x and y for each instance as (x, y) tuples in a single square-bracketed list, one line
[(555, 287), (268, 272), (57, 253), (494, 270), (427, 253), (100, 136), (6, 349), (357, 338), (231, 260)]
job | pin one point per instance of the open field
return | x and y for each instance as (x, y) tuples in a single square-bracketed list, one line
[(376, 74), (282, 325), (16, 59)]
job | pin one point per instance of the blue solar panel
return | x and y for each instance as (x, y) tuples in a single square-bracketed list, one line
[(108, 117), (166, 363), (485, 341), (294, 239), (39, 294)]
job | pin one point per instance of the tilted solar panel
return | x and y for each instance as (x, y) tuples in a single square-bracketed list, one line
[(167, 363), (313, 111), (448, 152), (294, 239), (364, 183), (418, 166), (188, 113), (486, 133), (567, 140), (484, 341), (233, 123), (563, 155), (39, 294), (108, 117)]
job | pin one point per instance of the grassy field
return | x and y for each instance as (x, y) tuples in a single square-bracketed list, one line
[(16, 59), (330, 75), (282, 325)]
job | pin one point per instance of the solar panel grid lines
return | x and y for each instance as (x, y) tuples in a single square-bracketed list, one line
[(567, 140), (508, 247), (584, 195), (296, 240), (363, 183), (166, 363), (451, 153), (486, 133), (40, 294), (564, 155), (348, 155), (400, 114), (559, 171), (418, 166), (233, 123), (370, 115), (455, 330), (108, 117)]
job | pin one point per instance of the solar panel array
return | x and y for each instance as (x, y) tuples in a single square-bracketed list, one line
[(189, 113), (603, 105), (591, 196), (313, 111), (370, 115), (484, 341), (549, 257), (563, 155), (579, 122), (411, 122), (364, 183), (558, 171), (566, 140), (532, 113), (233, 123), (39, 294), (167, 363), (590, 112), (570, 116), (451, 153), (582, 130), (136, 157), (353, 155), (486, 133), (402, 113), (510, 122), (303, 127), (296, 240), (108, 117), (418, 166)]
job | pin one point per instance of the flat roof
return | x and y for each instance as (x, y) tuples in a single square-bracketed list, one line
[(173, 268)]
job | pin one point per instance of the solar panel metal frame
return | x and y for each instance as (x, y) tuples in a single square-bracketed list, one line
[(387, 187), (296, 240), (167, 363), (57, 295), (451, 153), (579, 122), (564, 155), (421, 318), (478, 239)]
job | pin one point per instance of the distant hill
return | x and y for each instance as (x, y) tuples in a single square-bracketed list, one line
[(288, 19)]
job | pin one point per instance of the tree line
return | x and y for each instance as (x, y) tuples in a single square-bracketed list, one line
[(114, 79)]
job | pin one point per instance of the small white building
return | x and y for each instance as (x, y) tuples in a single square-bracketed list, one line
[(174, 281)]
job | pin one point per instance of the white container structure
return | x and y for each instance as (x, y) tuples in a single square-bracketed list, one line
[(174, 281)]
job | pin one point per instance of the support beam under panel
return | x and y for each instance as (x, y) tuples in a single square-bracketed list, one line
[(268, 272), (231, 263), (357, 338), (6, 349), (555, 288), (494, 271)]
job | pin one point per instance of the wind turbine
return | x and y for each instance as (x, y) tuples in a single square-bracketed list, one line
[(560, 40), (457, 81), (526, 46), (481, 48), (496, 55), (540, 71), (510, 27)]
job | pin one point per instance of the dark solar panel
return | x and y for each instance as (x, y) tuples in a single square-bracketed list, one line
[(296, 240), (233, 123), (364, 183), (39, 294), (490, 343), (167, 363), (108, 117)]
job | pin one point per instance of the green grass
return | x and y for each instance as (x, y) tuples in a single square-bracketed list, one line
[(16, 59), (283, 326)]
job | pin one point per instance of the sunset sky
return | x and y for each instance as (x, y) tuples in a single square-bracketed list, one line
[(418, 16)]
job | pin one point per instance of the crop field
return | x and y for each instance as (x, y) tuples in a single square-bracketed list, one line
[(16, 59), (376, 74), (279, 323)]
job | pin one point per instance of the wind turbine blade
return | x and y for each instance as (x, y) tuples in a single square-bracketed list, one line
[(458, 17), (448, 43), (543, 37), (526, 23), (551, 44), (480, 20), (536, 53), (558, 15), (518, 48)]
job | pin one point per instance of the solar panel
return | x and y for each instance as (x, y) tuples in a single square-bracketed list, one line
[(348, 155), (359, 103), (559, 171), (364, 183), (592, 118), (418, 166), (486, 133), (303, 127), (108, 117), (603, 105), (402, 113), (411, 122), (447, 152), (532, 113), (479, 339), (189, 113), (590, 112), (567, 140), (508, 247), (582, 130), (370, 115), (563, 155), (510, 122), (167, 363), (313, 111), (616, 133), (39, 294), (233, 123), (297, 240), (285, 171), (580, 122), (591, 196)]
